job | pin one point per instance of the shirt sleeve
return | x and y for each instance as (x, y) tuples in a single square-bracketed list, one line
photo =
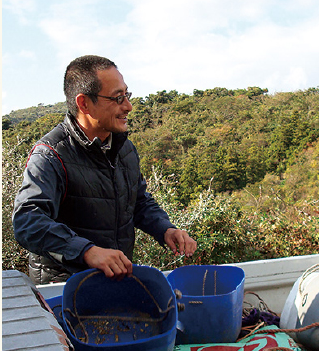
[(149, 216), (36, 210)]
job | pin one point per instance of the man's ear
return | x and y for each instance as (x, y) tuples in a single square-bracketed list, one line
[(82, 103)]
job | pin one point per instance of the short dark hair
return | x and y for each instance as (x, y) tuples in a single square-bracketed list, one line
[(81, 78)]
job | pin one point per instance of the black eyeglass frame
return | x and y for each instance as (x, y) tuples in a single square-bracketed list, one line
[(119, 99)]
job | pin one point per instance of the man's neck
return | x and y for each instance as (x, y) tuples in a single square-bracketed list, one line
[(90, 131)]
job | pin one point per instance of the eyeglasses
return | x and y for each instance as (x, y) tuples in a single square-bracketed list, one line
[(119, 99)]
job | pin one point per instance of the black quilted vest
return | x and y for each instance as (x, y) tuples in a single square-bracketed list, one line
[(101, 188)]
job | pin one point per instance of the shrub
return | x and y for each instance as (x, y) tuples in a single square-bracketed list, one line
[(222, 232), (13, 163)]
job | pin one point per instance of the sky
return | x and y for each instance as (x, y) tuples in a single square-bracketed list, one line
[(159, 45)]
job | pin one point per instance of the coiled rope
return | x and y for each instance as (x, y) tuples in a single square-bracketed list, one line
[(297, 330), (264, 307)]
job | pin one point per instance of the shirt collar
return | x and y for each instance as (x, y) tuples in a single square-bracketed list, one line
[(105, 145)]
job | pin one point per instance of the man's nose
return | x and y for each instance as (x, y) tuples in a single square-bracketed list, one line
[(127, 104)]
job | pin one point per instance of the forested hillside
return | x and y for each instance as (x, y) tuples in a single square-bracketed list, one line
[(31, 114), (223, 139), (237, 168)]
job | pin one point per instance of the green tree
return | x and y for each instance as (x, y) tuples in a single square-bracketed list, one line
[(291, 135), (6, 124), (255, 91), (190, 182)]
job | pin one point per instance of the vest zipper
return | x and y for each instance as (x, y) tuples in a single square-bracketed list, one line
[(129, 189), (116, 199)]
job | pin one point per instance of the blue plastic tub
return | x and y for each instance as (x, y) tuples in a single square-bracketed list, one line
[(55, 304), (213, 298), (120, 315)]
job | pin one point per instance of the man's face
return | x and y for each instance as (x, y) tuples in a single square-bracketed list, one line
[(108, 115)]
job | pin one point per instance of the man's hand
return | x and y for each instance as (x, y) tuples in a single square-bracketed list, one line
[(112, 262), (185, 243)]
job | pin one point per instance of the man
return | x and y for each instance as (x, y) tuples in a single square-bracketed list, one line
[(83, 193)]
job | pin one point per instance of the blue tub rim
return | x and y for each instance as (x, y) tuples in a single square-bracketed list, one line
[(238, 286)]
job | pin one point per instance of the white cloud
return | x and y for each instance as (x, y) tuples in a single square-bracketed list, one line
[(27, 54), (21, 8), (76, 28), (178, 44), (6, 59), (295, 78), (208, 43)]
